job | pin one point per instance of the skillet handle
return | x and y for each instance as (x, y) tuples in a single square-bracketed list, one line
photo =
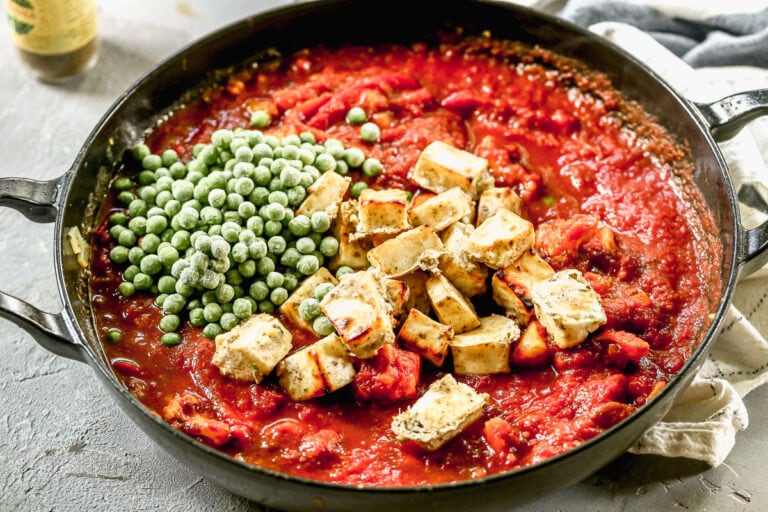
[(726, 118), (37, 200)]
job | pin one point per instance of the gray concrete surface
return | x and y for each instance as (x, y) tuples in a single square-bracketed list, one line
[(65, 446)]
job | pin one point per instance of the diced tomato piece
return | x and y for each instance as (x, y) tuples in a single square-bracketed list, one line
[(321, 447), (608, 414), (391, 375), (622, 346), (503, 438), (558, 241), (184, 412)]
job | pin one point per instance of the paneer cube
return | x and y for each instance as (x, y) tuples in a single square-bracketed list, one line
[(468, 276), (501, 239), (383, 212), (417, 291), (494, 199), (252, 349), (316, 370), (568, 307), (532, 348), (325, 194), (486, 349), (450, 305), (397, 296), (441, 167), (442, 210), (512, 285), (353, 249), (290, 308), (417, 248), (360, 312), (426, 337), (442, 413)]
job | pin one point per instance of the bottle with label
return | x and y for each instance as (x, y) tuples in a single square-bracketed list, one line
[(56, 39)]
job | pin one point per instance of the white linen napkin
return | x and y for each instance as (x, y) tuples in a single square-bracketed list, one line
[(706, 417)]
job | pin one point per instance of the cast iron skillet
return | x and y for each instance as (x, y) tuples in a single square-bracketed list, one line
[(72, 201)]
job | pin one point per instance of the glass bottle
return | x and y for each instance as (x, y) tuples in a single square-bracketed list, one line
[(56, 39)]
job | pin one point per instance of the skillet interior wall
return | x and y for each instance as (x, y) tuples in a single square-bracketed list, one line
[(298, 26)]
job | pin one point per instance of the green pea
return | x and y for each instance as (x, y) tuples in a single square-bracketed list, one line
[(356, 115), (127, 238), (290, 281), (246, 209), (322, 290), (264, 266), (140, 151), (325, 162), (266, 306), (170, 339), (259, 290), (278, 296), (357, 188), (274, 279), (290, 257), (126, 289), (260, 118), (344, 270), (152, 162), (309, 309), (242, 308), (119, 254), (149, 243), (354, 157), (114, 335), (322, 326), (196, 317), (370, 132), (142, 281), (211, 330), (156, 224), (122, 184), (272, 227), (229, 321), (212, 312), (177, 171), (308, 264), (277, 244), (172, 208), (247, 268), (258, 249), (240, 252), (329, 246), (150, 265), (169, 323), (131, 272), (371, 167), (320, 222), (125, 197), (166, 284), (220, 248)]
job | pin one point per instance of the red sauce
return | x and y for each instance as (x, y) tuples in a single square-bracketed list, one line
[(575, 151)]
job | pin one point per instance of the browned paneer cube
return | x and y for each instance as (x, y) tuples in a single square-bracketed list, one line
[(417, 291), (426, 337), (318, 369), (418, 248), (442, 210), (450, 305), (383, 212), (501, 239), (467, 275), (494, 199), (485, 350), (532, 349), (353, 249), (325, 194), (441, 167)]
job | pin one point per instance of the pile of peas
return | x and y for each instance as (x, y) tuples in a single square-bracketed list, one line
[(216, 239)]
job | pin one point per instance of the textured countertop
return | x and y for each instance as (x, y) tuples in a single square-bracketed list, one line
[(64, 444)]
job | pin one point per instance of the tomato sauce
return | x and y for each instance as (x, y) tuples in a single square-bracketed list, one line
[(599, 179)]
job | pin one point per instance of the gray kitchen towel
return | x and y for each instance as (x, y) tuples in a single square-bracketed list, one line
[(733, 39)]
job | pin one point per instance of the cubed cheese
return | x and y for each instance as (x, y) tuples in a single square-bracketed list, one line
[(360, 312), (494, 199), (383, 212), (290, 308), (425, 336), (442, 210), (417, 291), (512, 284), (417, 248), (442, 413), (325, 194), (450, 305), (353, 249), (467, 275), (318, 369), (397, 296), (441, 167), (567, 307), (486, 349), (501, 239), (252, 349)]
